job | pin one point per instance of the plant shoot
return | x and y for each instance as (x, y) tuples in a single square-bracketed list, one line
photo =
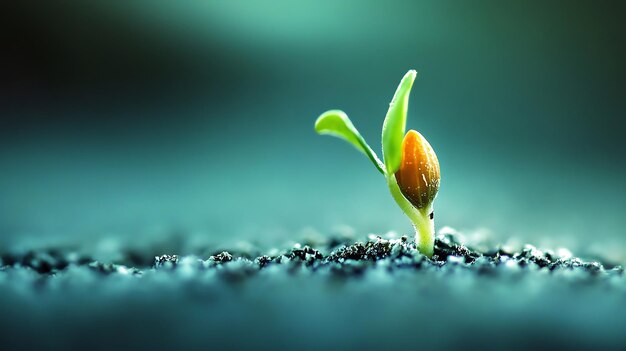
[(410, 166)]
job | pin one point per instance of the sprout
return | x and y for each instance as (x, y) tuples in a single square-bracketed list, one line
[(410, 165)]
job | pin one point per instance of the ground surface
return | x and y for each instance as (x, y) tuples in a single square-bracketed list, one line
[(332, 293)]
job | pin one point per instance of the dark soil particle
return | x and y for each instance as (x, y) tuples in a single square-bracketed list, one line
[(306, 254), (263, 261), (222, 257), (447, 246), (165, 260)]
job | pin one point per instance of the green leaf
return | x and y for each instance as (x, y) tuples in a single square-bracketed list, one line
[(395, 123), (337, 123)]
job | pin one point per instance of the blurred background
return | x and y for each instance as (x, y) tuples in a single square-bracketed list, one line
[(139, 120)]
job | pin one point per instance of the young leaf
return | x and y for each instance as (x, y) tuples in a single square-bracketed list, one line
[(337, 123), (395, 123)]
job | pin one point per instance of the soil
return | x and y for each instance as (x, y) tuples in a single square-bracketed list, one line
[(334, 257), (377, 293)]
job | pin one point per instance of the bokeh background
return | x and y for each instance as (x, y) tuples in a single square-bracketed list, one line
[(138, 120)]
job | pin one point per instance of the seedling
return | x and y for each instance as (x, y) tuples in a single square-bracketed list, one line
[(410, 165)]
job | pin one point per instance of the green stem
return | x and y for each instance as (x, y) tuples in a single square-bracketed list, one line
[(424, 226)]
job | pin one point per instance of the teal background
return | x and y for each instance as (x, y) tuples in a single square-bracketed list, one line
[(144, 120)]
